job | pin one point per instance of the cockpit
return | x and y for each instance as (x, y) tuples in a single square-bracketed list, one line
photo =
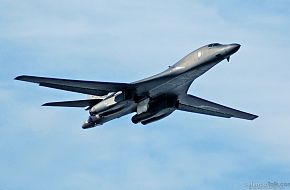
[(213, 45)]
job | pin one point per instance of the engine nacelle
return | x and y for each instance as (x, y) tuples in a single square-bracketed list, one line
[(107, 103), (148, 117), (157, 108), (92, 121)]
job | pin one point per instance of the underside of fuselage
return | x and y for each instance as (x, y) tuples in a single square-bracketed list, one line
[(152, 110)]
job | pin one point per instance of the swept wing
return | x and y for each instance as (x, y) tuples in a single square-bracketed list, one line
[(80, 86), (197, 105)]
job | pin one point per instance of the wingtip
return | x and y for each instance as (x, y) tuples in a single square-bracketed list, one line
[(48, 104), (21, 77), (253, 117), (18, 78)]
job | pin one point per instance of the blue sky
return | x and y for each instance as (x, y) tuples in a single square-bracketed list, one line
[(45, 148)]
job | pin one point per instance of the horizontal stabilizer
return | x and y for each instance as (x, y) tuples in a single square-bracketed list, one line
[(80, 86), (197, 105), (75, 103)]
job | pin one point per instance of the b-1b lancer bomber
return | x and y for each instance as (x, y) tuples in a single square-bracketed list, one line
[(152, 98)]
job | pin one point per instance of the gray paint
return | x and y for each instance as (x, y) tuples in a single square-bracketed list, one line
[(157, 96)]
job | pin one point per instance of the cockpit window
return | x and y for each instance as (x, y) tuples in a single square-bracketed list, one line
[(213, 45)]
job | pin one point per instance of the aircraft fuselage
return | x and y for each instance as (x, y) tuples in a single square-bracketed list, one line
[(169, 86), (152, 98)]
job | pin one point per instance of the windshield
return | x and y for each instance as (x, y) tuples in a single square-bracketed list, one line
[(214, 44)]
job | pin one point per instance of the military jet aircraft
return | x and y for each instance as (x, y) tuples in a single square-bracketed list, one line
[(152, 98)]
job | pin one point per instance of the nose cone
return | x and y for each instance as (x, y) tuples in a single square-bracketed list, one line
[(233, 48), (230, 49)]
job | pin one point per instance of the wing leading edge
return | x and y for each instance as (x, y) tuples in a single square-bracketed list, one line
[(80, 86), (197, 105)]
